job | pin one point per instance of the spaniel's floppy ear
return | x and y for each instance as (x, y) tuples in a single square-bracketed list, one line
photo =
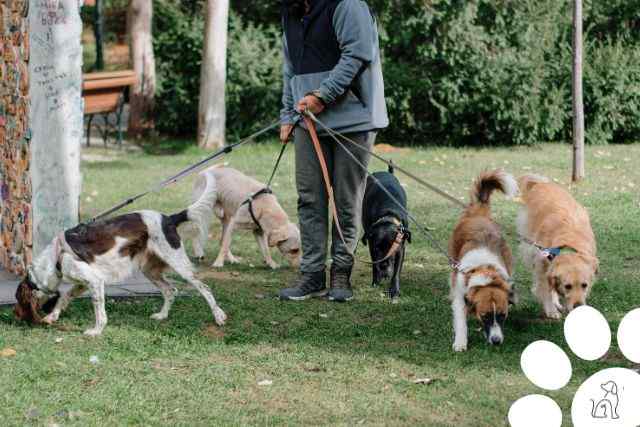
[(277, 236), (513, 296)]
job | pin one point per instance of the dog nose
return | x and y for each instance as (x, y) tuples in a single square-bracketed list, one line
[(578, 304), (495, 340)]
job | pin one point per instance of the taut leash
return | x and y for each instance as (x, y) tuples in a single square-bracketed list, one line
[(452, 262), (325, 174), (420, 181), (184, 173)]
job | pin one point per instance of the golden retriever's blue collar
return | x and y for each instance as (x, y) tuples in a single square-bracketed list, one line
[(553, 253)]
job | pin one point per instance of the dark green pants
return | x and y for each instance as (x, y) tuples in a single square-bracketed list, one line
[(348, 180)]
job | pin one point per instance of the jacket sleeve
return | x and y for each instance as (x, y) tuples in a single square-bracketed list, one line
[(287, 114), (354, 27)]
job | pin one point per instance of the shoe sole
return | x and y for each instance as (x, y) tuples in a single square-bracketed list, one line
[(340, 299), (306, 297)]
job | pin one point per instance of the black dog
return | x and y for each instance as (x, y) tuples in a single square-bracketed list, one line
[(385, 227)]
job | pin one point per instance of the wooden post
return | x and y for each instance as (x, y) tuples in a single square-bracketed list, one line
[(578, 104), (139, 23), (213, 75)]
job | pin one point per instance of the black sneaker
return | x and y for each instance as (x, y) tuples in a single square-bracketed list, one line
[(340, 284), (307, 285)]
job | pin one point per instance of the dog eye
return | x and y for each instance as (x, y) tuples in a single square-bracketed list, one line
[(585, 286), (567, 287)]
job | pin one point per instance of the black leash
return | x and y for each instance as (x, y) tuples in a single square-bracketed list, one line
[(184, 173), (267, 189)]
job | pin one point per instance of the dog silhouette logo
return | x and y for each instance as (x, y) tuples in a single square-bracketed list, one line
[(607, 407)]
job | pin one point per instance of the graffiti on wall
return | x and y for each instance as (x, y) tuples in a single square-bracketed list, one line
[(15, 182), (56, 116)]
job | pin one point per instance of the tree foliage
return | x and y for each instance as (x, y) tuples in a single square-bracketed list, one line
[(456, 71)]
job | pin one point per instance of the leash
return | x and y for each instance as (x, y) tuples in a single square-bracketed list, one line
[(184, 173), (267, 189), (419, 180), (402, 235), (549, 253), (434, 242), (325, 174)]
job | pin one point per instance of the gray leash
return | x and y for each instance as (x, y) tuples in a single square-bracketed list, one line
[(452, 262), (549, 253), (184, 173)]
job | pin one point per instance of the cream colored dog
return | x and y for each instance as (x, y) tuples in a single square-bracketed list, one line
[(552, 218), (230, 189)]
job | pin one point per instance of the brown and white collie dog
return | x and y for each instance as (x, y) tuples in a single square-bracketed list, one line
[(481, 285), (104, 253), (552, 218)]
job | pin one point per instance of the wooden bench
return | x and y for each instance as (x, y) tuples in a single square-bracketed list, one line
[(104, 94)]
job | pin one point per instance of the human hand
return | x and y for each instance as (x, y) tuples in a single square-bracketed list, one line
[(311, 103), (285, 133)]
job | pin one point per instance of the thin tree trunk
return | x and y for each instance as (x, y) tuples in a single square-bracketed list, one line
[(142, 98), (578, 104), (213, 74)]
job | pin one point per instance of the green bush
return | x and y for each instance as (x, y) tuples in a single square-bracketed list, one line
[(253, 71), (456, 71)]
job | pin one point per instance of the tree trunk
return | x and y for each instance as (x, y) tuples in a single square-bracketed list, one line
[(213, 74), (578, 104), (142, 99), (56, 117)]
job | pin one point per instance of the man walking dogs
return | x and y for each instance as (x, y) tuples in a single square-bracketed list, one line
[(331, 68)]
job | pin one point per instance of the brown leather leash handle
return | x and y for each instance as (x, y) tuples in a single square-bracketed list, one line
[(311, 127)]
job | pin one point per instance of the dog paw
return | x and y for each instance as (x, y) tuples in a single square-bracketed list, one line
[(218, 264), (159, 316), (93, 332), (553, 314), (234, 259), (220, 316), (459, 347), (50, 319), (273, 265)]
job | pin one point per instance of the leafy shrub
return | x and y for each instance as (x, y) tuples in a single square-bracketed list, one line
[(253, 75), (456, 72)]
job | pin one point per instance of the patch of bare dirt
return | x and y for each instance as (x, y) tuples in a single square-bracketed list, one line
[(213, 332), (387, 149)]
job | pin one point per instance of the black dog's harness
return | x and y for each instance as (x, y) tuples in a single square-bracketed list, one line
[(249, 202), (402, 235)]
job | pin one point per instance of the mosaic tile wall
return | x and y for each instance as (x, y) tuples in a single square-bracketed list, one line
[(15, 182)]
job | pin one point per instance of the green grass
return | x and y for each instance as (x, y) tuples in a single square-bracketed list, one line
[(330, 364)]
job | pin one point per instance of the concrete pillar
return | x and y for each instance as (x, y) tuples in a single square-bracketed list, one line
[(56, 116)]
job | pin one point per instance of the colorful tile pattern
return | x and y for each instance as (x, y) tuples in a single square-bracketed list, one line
[(15, 180)]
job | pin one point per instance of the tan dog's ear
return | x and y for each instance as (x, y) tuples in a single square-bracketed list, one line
[(596, 266), (278, 235), (554, 283)]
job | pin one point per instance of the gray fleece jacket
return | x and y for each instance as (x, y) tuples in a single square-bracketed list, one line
[(335, 49)]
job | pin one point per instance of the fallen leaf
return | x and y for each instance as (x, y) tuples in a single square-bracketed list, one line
[(417, 332), (265, 383), (260, 296), (8, 352), (58, 340), (324, 315), (425, 381), (213, 331), (94, 360)]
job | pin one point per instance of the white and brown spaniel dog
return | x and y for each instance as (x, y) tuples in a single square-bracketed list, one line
[(481, 285), (104, 253)]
